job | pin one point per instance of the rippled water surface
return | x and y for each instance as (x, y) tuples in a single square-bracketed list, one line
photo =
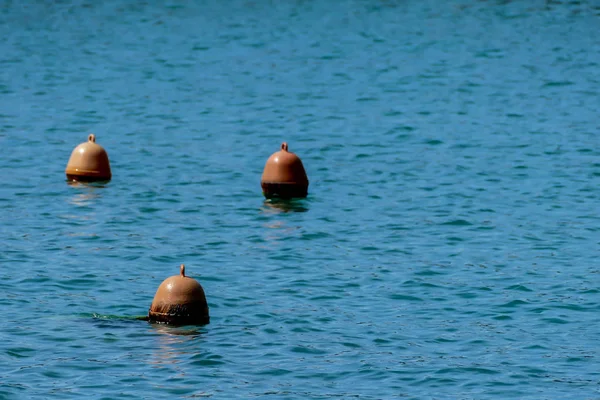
[(448, 248)]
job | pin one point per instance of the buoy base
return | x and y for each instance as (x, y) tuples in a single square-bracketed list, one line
[(87, 178), (180, 314), (284, 190)]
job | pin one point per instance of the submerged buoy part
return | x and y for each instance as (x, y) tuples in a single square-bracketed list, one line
[(179, 300), (89, 162), (284, 175)]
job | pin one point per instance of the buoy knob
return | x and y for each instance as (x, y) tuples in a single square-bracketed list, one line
[(179, 300), (89, 162), (284, 175)]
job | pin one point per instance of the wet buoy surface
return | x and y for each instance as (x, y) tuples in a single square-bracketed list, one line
[(284, 175), (179, 300), (89, 162)]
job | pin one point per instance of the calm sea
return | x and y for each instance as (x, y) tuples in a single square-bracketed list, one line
[(449, 246)]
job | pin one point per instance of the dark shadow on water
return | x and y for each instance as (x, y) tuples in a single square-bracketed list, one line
[(108, 320), (100, 317), (112, 321), (285, 205)]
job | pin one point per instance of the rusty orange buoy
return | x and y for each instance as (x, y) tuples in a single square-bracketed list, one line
[(89, 162), (179, 300), (284, 175)]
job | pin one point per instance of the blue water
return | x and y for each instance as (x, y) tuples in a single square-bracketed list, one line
[(448, 248)]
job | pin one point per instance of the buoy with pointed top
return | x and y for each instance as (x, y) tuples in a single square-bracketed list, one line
[(179, 300), (284, 175), (89, 162)]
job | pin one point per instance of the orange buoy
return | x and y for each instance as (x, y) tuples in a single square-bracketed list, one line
[(284, 175), (179, 300), (89, 162)]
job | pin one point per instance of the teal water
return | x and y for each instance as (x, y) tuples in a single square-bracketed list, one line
[(448, 248)]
